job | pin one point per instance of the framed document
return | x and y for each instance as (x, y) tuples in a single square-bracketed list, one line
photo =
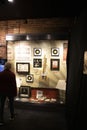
[(23, 68)]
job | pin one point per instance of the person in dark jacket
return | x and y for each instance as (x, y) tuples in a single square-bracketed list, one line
[(8, 89)]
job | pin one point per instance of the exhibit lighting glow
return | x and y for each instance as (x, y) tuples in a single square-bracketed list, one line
[(10, 0), (27, 37), (9, 38), (49, 36)]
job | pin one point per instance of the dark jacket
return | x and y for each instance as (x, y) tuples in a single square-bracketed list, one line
[(8, 83)]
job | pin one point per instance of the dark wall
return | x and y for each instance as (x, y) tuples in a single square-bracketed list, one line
[(21, 9), (76, 87)]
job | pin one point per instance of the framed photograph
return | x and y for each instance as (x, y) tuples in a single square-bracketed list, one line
[(55, 64), (39, 94), (23, 68), (37, 63), (24, 91), (54, 51), (30, 78), (37, 51)]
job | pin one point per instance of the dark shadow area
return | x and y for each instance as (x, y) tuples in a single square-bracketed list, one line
[(76, 87), (20, 9), (36, 116)]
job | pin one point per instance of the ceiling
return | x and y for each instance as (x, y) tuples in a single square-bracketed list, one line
[(39, 9)]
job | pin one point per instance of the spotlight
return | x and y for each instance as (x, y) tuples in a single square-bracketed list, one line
[(10, 1)]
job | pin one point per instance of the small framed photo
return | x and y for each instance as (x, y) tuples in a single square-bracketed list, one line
[(37, 51), (23, 68), (24, 91), (55, 64), (54, 51), (39, 94), (30, 78), (37, 63)]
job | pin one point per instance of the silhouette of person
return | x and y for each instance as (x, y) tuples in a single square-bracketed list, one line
[(8, 89)]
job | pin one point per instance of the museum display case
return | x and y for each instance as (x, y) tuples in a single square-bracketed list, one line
[(39, 62)]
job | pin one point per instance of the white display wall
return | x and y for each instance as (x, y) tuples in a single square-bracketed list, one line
[(46, 59)]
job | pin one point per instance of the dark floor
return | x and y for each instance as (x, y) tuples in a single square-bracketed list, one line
[(36, 116)]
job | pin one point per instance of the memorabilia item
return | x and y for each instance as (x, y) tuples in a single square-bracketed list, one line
[(23, 68), (24, 91), (30, 78), (55, 63), (37, 51), (54, 51), (37, 63)]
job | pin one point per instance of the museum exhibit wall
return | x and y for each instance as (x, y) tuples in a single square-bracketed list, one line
[(51, 54), (46, 68)]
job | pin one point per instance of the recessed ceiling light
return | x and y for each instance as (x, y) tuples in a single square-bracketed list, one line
[(10, 0)]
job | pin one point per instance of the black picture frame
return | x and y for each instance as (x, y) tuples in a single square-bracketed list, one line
[(24, 92), (22, 68), (37, 63), (55, 64)]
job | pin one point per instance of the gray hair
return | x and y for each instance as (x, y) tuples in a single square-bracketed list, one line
[(7, 65)]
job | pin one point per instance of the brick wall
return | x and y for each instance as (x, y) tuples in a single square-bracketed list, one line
[(46, 25)]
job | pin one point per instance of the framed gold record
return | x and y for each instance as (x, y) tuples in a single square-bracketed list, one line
[(54, 51), (30, 78), (37, 51)]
